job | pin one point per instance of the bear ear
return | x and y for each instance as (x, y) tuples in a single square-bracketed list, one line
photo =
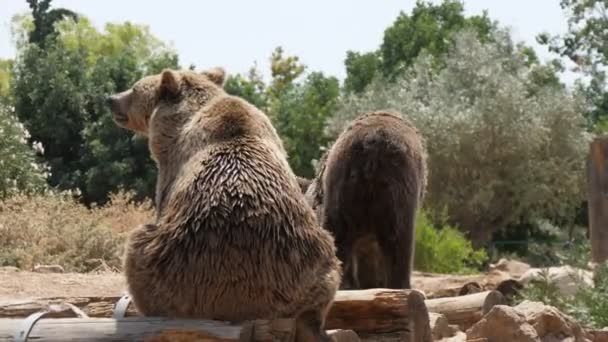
[(217, 75), (169, 83)]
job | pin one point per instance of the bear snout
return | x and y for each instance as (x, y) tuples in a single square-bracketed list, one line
[(114, 104)]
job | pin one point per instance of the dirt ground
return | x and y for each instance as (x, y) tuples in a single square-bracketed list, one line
[(21, 284), (17, 285)]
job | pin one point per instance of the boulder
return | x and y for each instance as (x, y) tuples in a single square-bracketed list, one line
[(503, 324), (567, 279), (551, 324), (514, 268)]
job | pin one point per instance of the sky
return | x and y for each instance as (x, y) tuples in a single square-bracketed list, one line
[(235, 34)]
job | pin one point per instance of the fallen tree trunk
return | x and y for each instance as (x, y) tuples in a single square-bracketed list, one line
[(149, 329), (381, 314), (375, 314), (465, 311)]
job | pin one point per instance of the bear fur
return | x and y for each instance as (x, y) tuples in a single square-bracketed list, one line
[(234, 237), (367, 190)]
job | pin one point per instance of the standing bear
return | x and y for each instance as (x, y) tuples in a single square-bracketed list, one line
[(234, 237), (367, 190)]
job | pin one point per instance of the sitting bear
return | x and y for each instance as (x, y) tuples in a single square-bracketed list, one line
[(367, 190), (234, 237)]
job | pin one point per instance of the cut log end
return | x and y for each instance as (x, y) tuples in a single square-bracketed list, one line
[(420, 329)]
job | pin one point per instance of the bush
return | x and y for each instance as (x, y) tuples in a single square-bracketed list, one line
[(444, 249), (19, 167), (54, 228), (505, 147), (589, 305)]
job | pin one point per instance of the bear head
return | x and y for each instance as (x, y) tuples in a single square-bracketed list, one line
[(133, 108)]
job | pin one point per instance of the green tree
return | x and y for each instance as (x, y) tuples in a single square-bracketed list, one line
[(586, 44), (500, 155), (58, 95), (45, 20), (20, 170), (251, 87), (429, 28), (300, 116), (6, 67)]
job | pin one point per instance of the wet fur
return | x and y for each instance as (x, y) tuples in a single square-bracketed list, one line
[(234, 238)]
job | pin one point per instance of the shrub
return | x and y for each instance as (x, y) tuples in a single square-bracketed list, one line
[(444, 249), (589, 305), (504, 148), (54, 228), (19, 167)]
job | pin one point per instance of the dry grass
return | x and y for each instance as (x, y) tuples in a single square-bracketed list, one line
[(54, 228)]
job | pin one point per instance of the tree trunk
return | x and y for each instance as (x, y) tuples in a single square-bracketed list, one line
[(597, 192), (374, 314)]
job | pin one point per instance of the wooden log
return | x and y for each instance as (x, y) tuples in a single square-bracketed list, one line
[(149, 329), (381, 315), (440, 327), (375, 314), (465, 311), (343, 335), (597, 195)]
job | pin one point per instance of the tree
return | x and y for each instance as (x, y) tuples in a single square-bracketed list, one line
[(45, 20), (20, 170), (428, 28), (500, 155), (297, 108), (6, 66), (586, 44), (58, 95), (250, 87), (299, 117)]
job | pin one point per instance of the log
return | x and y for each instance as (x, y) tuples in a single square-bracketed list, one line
[(465, 311), (597, 196), (381, 315), (374, 314), (149, 329), (440, 327)]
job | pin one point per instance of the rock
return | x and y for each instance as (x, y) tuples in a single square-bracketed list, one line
[(513, 267), (599, 335), (503, 324), (567, 279), (551, 324), (48, 269)]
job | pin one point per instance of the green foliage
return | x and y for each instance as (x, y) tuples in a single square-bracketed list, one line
[(20, 170), (6, 67), (58, 95), (586, 44), (284, 70), (300, 116), (444, 249), (360, 70), (45, 20), (429, 28), (499, 154), (250, 87), (589, 304), (297, 108)]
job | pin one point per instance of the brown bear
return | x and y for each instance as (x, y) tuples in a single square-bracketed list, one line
[(367, 190), (234, 237)]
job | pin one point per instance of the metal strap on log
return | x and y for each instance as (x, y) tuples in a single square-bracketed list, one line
[(28, 323), (120, 310)]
